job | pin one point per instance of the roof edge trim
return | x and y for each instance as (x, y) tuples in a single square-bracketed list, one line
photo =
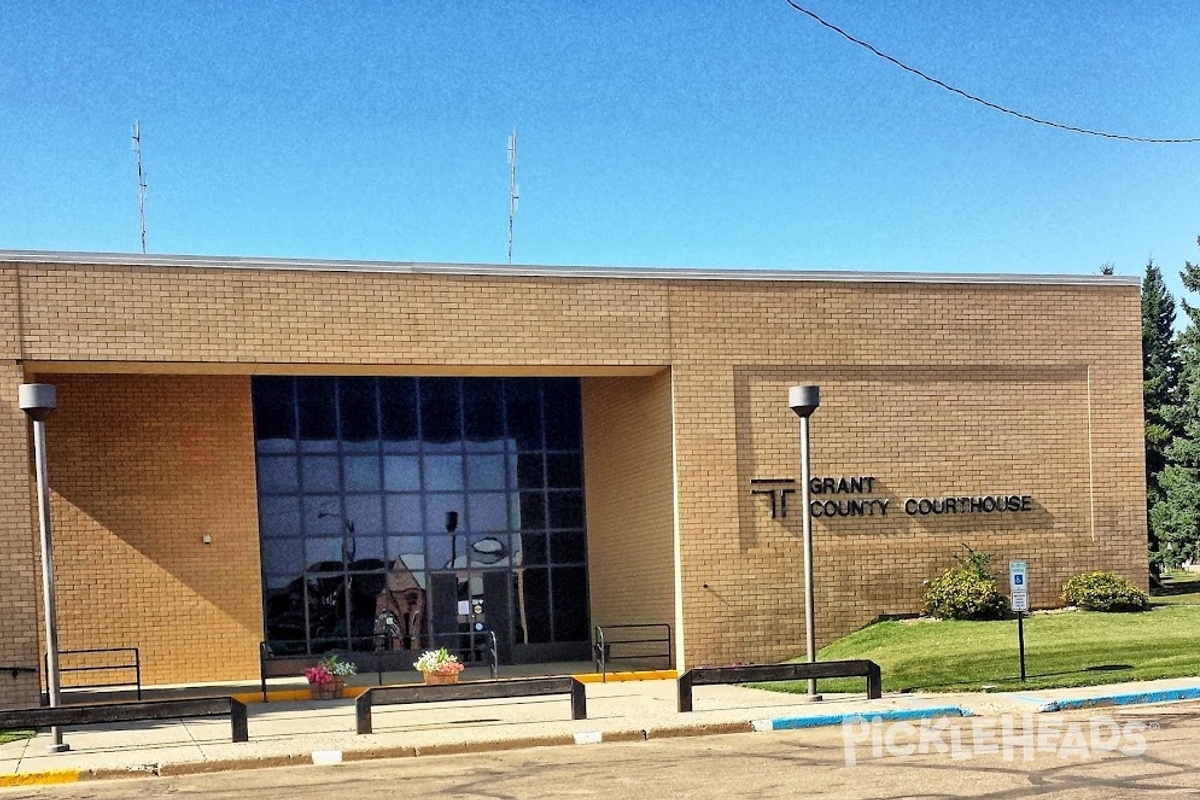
[(69, 258)]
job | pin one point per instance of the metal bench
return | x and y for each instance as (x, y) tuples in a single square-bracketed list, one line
[(100, 713), (764, 673), (470, 690)]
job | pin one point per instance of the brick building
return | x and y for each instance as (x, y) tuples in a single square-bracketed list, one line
[(303, 452)]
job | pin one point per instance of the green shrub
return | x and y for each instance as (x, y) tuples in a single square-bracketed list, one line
[(1104, 591), (964, 593), (975, 562)]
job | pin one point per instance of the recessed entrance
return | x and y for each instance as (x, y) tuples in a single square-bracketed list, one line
[(407, 513)]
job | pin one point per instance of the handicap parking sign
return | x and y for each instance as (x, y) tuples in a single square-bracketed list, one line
[(1017, 583)]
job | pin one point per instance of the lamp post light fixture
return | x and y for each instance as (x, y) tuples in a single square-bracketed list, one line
[(804, 400), (39, 400)]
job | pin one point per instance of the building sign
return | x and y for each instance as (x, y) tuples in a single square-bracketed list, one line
[(777, 489), (829, 497), (852, 497)]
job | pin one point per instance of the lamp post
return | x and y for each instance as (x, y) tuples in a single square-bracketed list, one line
[(39, 400), (804, 401)]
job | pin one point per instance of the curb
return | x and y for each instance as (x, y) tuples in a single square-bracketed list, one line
[(678, 731), (890, 715), (1130, 698), (330, 757), (635, 675), (41, 778)]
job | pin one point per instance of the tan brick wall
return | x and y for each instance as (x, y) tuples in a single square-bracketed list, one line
[(919, 432), (628, 475), (142, 468), (933, 388), (284, 317), (20, 578)]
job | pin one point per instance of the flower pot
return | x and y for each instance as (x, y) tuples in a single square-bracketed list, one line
[(327, 691), (436, 679)]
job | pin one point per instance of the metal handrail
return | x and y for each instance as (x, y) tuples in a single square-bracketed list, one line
[(494, 659), (266, 655), (481, 645), (136, 666), (602, 646)]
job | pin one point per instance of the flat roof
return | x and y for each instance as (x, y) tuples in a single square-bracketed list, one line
[(68, 258)]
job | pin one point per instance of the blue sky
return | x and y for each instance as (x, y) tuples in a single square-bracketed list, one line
[(729, 135)]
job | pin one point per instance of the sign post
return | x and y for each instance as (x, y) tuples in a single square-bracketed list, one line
[(1018, 587)]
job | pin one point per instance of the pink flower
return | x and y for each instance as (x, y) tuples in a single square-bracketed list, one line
[(318, 675)]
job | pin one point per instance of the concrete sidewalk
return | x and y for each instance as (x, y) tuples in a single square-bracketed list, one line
[(306, 732)]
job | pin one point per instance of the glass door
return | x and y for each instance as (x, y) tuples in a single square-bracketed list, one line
[(470, 605)]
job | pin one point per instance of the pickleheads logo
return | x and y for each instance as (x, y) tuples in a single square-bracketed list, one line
[(1009, 735)]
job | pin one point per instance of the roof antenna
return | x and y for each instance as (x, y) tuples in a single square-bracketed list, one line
[(513, 195), (137, 148)]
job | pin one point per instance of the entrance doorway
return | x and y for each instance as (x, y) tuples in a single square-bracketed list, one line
[(411, 513)]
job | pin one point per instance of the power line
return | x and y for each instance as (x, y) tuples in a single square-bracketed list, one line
[(980, 100)]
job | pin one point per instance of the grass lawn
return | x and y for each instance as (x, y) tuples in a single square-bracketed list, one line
[(1076, 648), (1179, 588), (12, 736)]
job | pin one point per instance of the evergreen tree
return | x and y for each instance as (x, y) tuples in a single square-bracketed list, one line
[(1175, 519), (1160, 374)]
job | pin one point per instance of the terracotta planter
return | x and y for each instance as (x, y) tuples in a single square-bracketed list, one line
[(327, 691), (434, 679)]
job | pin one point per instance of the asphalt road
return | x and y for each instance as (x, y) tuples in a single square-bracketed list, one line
[(1109, 753)]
